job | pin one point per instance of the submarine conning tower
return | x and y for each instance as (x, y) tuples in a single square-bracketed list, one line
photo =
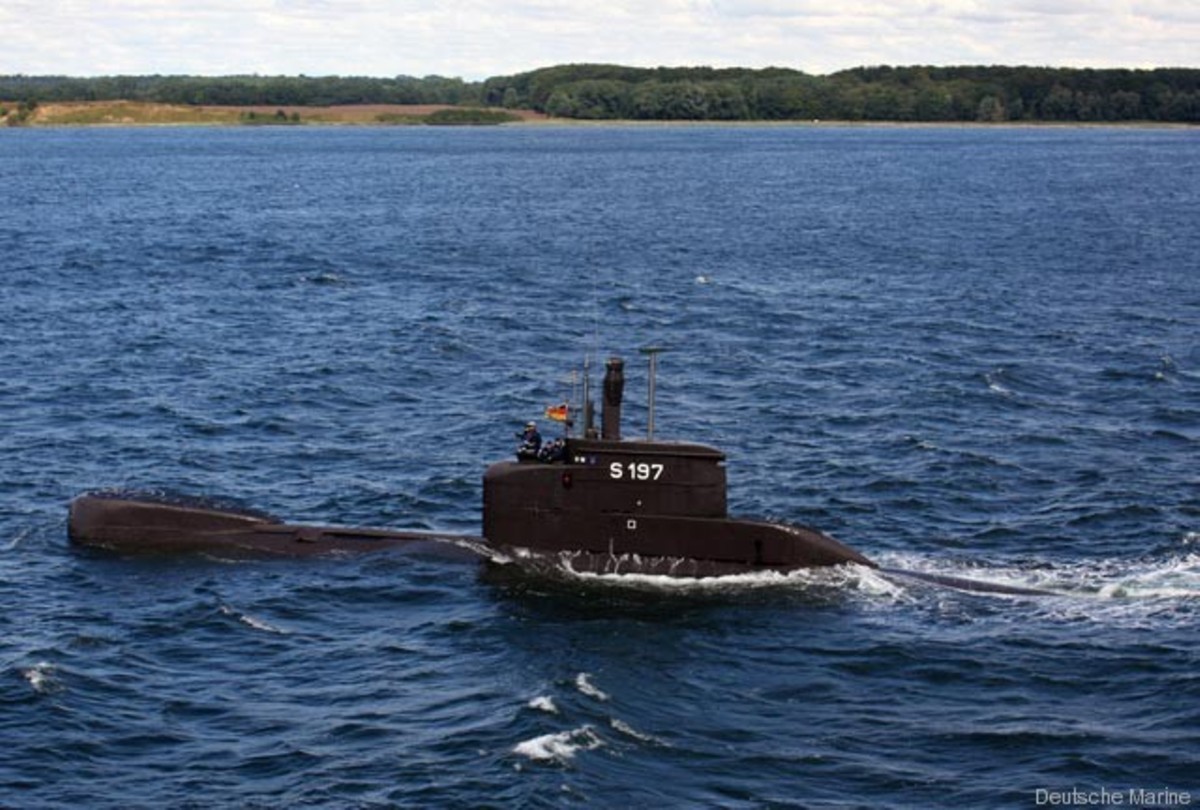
[(609, 500), (603, 487)]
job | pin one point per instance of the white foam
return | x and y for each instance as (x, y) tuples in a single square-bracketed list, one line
[(837, 575), (560, 747), (482, 549), (543, 703), (630, 731), (562, 564), (41, 677), (1177, 578), (583, 682), (250, 621), (873, 583), (1116, 592), (18, 540), (1091, 580), (259, 624)]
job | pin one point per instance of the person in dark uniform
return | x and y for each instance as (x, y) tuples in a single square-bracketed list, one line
[(531, 442), (553, 451)]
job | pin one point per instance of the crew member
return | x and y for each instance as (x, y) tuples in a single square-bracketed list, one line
[(553, 451), (531, 442)]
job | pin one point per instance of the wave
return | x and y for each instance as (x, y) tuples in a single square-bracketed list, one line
[(1154, 593), (251, 621), (1106, 589), (1176, 576), (20, 538), (43, 677), (543, 703), (559, 747), (560, 566), (583, 682), (640, 736)]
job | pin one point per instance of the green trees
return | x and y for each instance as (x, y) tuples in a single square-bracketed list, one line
[(922, 93), (596, 91), (20, 115), (468, 116), (244, 91), (589, 98), (279, 118)]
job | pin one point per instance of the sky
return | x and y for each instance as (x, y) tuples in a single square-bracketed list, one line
[(475, 39)]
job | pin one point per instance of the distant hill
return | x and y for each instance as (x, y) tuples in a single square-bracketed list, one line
[(607, 92)]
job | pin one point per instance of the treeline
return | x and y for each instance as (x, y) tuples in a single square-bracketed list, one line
[(243, 91), (992, 94)]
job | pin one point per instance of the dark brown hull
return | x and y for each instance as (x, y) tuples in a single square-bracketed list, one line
[(137, 524), (583, 508), (132, 523), (676, 545)]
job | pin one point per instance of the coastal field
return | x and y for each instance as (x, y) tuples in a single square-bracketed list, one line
[(125, 113)]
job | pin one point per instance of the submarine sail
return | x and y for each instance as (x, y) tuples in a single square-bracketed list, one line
[(611, 505)]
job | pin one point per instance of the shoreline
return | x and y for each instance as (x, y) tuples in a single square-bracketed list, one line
[(59, 115)]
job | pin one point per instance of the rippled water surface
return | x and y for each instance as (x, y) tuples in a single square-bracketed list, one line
[(967, 352)]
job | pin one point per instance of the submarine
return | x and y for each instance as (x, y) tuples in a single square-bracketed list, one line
[(596, 503), (600, 504)]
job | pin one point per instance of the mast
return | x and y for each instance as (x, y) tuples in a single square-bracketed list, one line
[(589, 414), (652, 352)]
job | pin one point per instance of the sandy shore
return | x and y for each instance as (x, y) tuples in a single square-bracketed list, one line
[(132, 113)]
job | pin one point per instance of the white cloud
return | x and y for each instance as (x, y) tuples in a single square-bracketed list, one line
[(478, 38)]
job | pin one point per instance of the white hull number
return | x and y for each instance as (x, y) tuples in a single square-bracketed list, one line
[(635, 471)]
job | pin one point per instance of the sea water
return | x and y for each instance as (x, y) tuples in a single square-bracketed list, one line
[(961, 351)]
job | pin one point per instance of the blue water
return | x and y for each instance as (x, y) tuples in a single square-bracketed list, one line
[(964, 351)]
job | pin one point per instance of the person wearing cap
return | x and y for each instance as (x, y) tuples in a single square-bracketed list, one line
[(531, 442)]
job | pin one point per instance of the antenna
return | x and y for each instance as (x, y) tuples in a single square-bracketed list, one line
[(589, 420), (652, 352), (569, 422)]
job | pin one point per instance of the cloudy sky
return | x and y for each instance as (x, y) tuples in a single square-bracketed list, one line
[(474, 39)]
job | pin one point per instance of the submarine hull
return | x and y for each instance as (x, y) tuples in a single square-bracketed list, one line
[(133, 523), (651, 508), (660, 543)]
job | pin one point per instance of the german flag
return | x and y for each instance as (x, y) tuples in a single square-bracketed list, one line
[(558, 413)]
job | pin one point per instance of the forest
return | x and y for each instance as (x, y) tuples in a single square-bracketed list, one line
[(614, 92), (242, 91), (987, 94)]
